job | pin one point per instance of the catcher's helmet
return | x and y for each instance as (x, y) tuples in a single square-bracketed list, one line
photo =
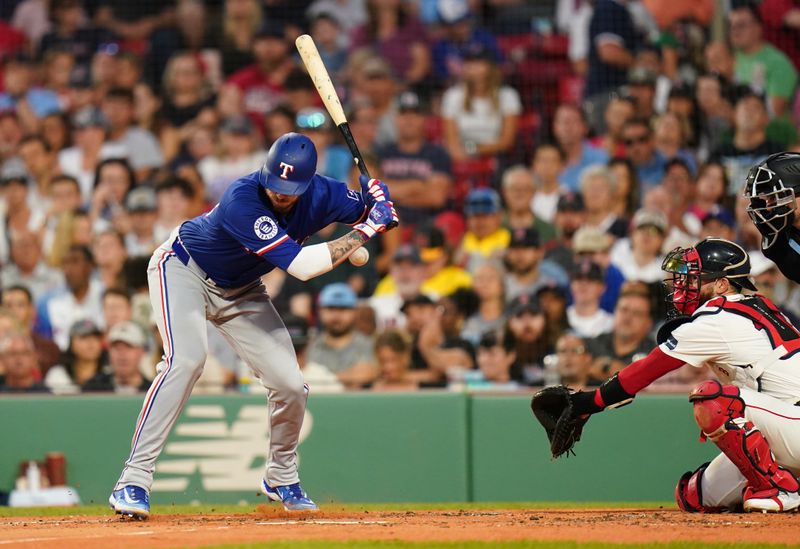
[(708, 260), (771, 186), (291, 164)]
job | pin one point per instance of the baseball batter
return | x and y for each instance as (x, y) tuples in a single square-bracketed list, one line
[(211, 268), (751, 413)]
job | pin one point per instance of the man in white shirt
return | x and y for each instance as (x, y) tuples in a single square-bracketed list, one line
[(585, 316), (79, 299)]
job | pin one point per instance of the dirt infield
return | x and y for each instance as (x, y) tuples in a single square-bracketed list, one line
[(271, 524)]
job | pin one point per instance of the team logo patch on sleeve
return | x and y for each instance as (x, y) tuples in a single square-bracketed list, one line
[(265, 227), (671, 343)]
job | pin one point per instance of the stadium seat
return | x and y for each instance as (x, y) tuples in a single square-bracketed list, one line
[(516, 47), (570, 89), (530, 123), (434, 129)]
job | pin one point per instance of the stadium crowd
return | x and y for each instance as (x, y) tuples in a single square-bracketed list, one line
[(542, 156)]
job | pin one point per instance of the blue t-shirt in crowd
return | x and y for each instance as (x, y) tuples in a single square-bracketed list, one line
[(42, 102), (570, 178), (397, 165), (242, 238), (652, 173), (337, 162), (610, 21)]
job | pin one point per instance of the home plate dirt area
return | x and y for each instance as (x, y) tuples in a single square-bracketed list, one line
[(271, 524)]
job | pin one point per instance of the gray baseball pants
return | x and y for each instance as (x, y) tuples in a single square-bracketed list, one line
[(183, 298)]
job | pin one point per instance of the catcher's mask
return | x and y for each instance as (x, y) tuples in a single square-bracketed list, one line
[(709, 260), (770, 188), (683, 280)]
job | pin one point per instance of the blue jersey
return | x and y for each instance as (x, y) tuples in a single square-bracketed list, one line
[(242, 238)]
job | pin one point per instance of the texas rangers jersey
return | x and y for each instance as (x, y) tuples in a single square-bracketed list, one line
[(242, 238), (746, 341)]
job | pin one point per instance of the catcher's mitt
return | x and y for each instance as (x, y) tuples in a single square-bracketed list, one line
[(554, 409)]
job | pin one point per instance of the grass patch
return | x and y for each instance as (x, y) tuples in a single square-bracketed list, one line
[(210, 509)]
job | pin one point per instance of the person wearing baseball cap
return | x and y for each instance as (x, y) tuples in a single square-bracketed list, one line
[(526, 270), (406, 274), (127, 347), (339, 346), (442, 276), (143, 211), (570, 216), (417, 170), (527, 323), (594, 244), (459, 33), (639, 256), (485, 237), (719, 222), (585, 316)]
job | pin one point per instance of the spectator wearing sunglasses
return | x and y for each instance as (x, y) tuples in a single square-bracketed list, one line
[(333, 160), (573, 361), (640, 149)]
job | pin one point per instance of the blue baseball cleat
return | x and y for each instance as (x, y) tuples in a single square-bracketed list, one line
[(292, 496), (131, 501)]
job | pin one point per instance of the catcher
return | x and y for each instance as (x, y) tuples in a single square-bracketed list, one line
[(751, 413)]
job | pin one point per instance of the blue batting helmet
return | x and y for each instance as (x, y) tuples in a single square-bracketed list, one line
[(291, 164)]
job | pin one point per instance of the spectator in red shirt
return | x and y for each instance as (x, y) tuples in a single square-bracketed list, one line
[(781, 23), (258, 88)]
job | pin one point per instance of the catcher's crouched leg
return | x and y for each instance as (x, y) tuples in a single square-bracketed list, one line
[(719, 411)]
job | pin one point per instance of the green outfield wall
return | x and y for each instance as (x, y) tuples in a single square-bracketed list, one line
[(362, 447)]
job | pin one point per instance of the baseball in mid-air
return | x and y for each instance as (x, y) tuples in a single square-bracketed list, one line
[(359, 257)]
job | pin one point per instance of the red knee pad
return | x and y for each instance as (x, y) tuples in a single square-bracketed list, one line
[(689, 492), (715, 404)]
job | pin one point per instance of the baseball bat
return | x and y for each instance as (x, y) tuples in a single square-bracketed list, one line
[(322, 81)]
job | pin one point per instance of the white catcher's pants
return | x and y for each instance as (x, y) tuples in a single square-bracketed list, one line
[(182, 300), (779, 422)]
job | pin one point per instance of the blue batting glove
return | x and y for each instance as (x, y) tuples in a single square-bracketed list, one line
[(382, 217), (373, 190)]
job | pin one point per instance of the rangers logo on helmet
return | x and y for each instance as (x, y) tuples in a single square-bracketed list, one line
[(286, 169)]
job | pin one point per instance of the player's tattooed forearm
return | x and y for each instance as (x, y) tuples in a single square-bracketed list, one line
[(341, 247)]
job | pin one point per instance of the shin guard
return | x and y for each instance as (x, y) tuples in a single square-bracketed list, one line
[(719, 411)]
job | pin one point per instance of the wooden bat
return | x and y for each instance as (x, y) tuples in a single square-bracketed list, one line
[(322, 81)]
